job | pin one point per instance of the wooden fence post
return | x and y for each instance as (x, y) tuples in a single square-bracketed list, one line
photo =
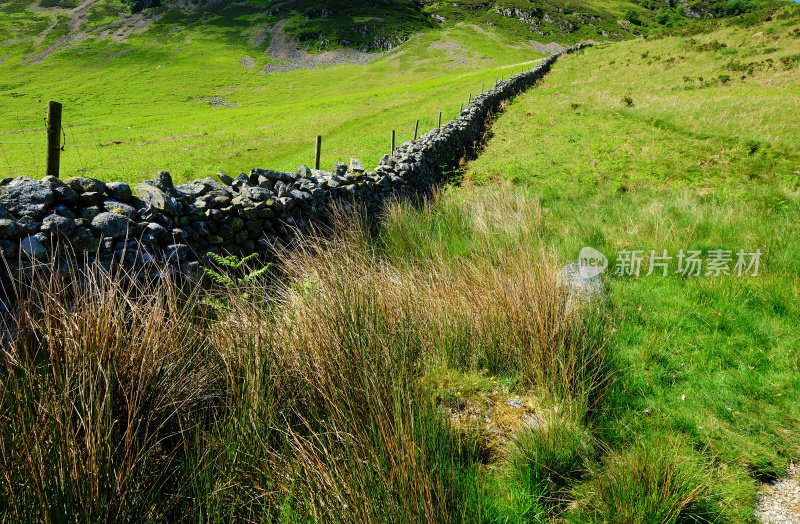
[(392, 141), (317, 152), (470, 99), (53, 138), (440, 119), (416, 129)]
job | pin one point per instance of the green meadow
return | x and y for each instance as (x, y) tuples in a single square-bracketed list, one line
[(682, 142), (134, 108)]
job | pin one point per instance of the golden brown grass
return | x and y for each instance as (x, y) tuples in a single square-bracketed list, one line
[(98, 378), (302, 399)]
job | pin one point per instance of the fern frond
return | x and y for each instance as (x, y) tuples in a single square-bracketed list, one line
[(246, 259), (217, 277), (257, 273)]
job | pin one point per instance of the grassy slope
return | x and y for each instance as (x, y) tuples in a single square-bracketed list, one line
[(555, 20), (462, 293), (144, 97), (143, 91), (141, 96), (692, 164)]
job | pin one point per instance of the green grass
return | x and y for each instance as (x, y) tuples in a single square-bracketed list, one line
[(309, 398), (688, 165), (138, 106), (147, 95), (135, 107), (553, 20), (357, 386)]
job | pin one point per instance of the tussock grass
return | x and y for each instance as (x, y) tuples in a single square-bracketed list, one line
[(550, 459), (507, 307), (305, 399), (98, 380), (650, 483), (707, 361)]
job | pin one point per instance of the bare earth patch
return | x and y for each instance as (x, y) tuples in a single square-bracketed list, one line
[(497, 416), (121, 29), (215, 101), (118, 30), (46, 32), (247, 62), (78, 15), (546, 49), (456, 53), (284, 50)]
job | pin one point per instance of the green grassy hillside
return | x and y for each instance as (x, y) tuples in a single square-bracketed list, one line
[(432, 367), (183, 86), (191, 97), (684, 142)]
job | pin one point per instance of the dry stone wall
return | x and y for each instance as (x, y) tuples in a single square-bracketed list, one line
[(158, 221)]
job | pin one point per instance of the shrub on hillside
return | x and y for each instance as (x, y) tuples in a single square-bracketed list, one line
[(632, 16), (140, 5)]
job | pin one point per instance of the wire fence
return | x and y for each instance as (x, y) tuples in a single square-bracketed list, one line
[(110, 151), (86, 147)]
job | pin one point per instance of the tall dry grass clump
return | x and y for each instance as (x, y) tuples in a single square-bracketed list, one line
[(358, 333), (98, 379), (655, 481), (303, 398)]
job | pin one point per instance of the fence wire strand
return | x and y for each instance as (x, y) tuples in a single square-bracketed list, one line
[(3, 151)]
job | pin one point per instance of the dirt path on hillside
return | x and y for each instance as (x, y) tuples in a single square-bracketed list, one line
[(118, 30), (121, 29), (76, 15), (285, 50), (518, 64), (46, 32)]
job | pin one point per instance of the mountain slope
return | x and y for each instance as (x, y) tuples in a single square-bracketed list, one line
[(38, 29), (196, 102), (183, 86)]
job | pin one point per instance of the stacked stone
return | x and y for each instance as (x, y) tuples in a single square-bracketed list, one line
[(421, 161), (160, 221), (37, 215)]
